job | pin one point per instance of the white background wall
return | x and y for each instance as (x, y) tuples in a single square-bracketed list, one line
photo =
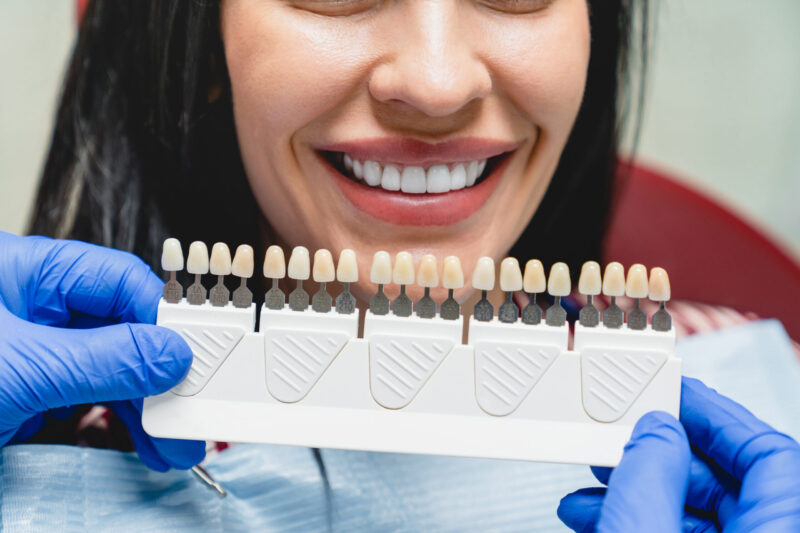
[(723, 108)]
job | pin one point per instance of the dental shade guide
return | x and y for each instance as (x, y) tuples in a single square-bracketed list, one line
[(484, 385)]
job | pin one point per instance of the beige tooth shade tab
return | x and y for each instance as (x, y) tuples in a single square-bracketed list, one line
[(274, 263), (347, 267), (452, 274), (299, 263), (403, 269), (172, 255), (324, 271), (589, 282), (220, 259), (559, 283), (483, 276), (428, 273), (614, 279), (659, 285), (197, 262), (534, 281), (243, 261), (510, 275), (381, 271), (636, 284)]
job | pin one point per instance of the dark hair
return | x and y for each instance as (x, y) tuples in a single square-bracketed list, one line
[(140, 149)]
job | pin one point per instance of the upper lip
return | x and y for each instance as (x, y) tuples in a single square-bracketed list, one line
[(412, 152)]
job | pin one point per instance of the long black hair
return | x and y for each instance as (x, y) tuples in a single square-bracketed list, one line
[(142, 148)]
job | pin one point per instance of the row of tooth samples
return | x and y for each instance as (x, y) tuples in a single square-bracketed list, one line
[(219, 264), (414, 179)]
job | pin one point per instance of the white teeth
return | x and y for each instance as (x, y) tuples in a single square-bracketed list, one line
[(172, 256), (220, 259), (243, 262), (435, 179)]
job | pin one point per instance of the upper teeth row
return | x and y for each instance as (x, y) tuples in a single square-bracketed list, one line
[(416, 180)]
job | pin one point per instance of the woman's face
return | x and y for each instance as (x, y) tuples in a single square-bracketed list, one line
[(462, 105)]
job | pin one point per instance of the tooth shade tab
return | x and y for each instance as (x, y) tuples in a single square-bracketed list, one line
[(220, 259), (381, 271), (614, 279), (299, 263), (510, 275), (559, 283), (172, 255), (452, 274), (274, 263), (589, 282), (403, 269), (324, 272), (428, 273), (243, 261), (659, 285), (347, 267), (483, 275), (197, 262), (636, 285), (534, 281)]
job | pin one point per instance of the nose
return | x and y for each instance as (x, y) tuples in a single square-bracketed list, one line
[(432, 64)]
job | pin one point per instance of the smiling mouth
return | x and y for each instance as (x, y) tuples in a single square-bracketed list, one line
[(409, 179)]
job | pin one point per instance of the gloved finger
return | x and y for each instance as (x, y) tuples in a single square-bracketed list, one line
[(711, 490), (580, 510), (649, 485), (60, 276), (601, 473), (699, 524), (158, 454)]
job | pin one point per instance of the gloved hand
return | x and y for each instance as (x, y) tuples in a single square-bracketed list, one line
[(739, 474), (48, 289)]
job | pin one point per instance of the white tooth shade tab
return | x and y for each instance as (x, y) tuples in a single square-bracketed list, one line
[(636, 284), (510, 275), (403, 269), (483, 276), (197, 262), (559, 283), (413, 180), (274, 263), (172, 255), (381, 271), (659, 285), (589, 283), (534, 281), (324, 272), (428, 273), (452, 274), (243, 261), (614, 279), (220, 259), (347, 267), (299, 263)]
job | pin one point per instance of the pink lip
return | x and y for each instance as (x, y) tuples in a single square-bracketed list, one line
[(417, 209), (411, 152)]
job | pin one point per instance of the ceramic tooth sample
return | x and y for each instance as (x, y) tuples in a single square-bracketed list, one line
[(299, 269), (380, 274), (274, 269), (636, 288), (510, 282), (533, 282), (428, 277), (590, 285), (346, 273), (613, 286), (452, 279), (403, 275), (558, 285), (323, 273), (172, 262), (197, 264), (660, 292), (242, 267), (483, 280), (220, 267)]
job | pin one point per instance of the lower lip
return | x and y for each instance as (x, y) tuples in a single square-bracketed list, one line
[(405, 209)]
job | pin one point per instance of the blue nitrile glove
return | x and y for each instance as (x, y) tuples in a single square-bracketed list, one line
[(739, 475), (66, 338)]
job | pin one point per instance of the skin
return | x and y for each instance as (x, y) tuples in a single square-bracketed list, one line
[(311, 72)]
